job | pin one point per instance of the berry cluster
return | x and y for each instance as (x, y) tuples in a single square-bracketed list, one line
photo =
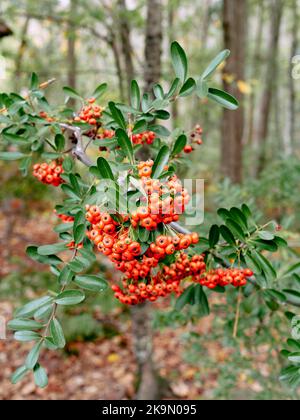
[(105, 134), (225, 276), (195, 138), (164, 201), (46, 117), (168, 245), (90, 113), (49, 174), (147, 137), (65, 218)]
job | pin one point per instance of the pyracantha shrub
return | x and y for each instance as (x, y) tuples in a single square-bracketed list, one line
[(130, 210)]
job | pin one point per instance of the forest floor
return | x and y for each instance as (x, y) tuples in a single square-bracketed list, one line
[(105, 368)]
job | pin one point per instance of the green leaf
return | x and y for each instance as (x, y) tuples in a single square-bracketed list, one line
[(43, 312), (235, 229), (275, 294), (70, 297), (100, 90), (223, 98), (292, 295), (31, 307), (79, 234), (117, 115), (71, 93), (32, 252), (227, 235), (65, 276), (179, 61), (214, 64), (160, 162), (33, 355), (160, 130), (238, 216), (295, 357), (158, 91), (57, 334), (51, 249), (135, 95), (40, 376), (34, 81), (264, 264), (188, 88), (104, 169), (214, 236), (19, 324), (175, 85), (68, 164), (19, 374), (224, 214), (265, 235), (26, 336), (179, 145), (252, 263), (201, 300), (59, 142), (11, 155), (294, 269), (144, 235), (140, 127), (91, 282), (125, 143), (295, 345), (246, 211), (187, 296)]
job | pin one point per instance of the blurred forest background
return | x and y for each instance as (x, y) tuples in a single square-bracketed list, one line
[(251, 155)]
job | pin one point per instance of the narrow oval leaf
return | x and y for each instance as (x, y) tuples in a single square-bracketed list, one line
[(57, 334), (19, 324), (91, 282), (179, 61), (31, 307), (117, 115), (227, 235), (188, 296), (33, 356), (135, 95), (51, 249), (26, 336), (70, 297), (223, 98), (100, 90), (11, 155), (188, 88), (179, 145), (40, 376), (104, 169), (19, 374), (125, 143), (267, 236), (214, 64), (214, 235), (71, 93), (160, 162)]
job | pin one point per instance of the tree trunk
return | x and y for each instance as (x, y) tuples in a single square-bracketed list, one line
[(4, 29), (171, 19), (291, 120), (153, 44), (127, 49), (148, 381), (256, 66), (234, 25), (20, 54), (72, 60), (267, 94)]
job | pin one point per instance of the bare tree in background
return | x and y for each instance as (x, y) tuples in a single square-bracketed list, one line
[(72, 60), (267, 94), (289, 138), (148, 380), (234, 26), (153, 43), (20, 53), (125, 36)]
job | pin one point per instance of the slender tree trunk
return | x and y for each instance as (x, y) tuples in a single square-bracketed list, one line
[(205, 22), (153, 44), (116, 53), (267, 94), (256, 64), (148, 380), (20, 54), (72, 59), (291, 120), (234, 25), (171, 19), (125, 36)]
